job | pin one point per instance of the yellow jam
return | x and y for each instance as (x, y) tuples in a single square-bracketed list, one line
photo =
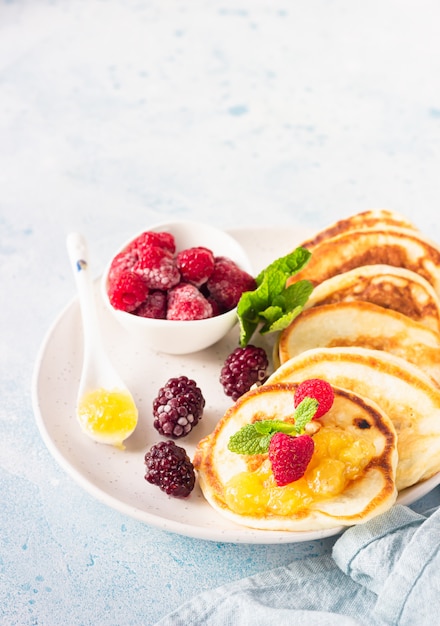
[(338, 458), (108, 416)]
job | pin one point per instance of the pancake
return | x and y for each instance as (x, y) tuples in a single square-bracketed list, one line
[(394, 246), (241, 487), (391, 287), (375, 218), (406, 394), (366, 325)]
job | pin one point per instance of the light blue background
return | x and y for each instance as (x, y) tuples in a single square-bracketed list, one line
[(117, 113)]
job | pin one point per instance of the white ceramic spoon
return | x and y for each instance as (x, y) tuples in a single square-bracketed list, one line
[(105, 408)]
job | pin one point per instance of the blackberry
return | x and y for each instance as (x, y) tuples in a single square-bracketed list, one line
[(168, 467), (178, 407), (243, 368)]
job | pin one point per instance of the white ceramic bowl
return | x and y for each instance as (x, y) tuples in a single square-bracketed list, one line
[(183, 337)]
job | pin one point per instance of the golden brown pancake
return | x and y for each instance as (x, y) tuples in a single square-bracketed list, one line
[(366, 325), (375, 218), (371, 246), (406, 394), (391, 287), (241, 487)]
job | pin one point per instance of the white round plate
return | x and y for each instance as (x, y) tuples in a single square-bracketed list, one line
[(116, 477)]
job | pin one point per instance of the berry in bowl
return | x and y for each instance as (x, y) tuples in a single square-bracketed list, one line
[(176, 285)]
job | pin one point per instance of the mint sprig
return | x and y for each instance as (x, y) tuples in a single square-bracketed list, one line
[(255, 438), (272, 306), (305, 412)]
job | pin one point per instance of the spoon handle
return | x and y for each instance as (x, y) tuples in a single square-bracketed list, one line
[(79, 259)]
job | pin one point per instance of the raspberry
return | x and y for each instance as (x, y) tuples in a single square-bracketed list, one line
[(127, 291), (316, 388), (123, 261), (186, 302), (178, 407), (243, 368), (155, 306), (289, 456), (151, 238), (227, 282), (168, 467), (214, 305), (196, 265), (158, 267)]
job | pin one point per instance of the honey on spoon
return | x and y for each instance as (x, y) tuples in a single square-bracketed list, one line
[(105, 407)]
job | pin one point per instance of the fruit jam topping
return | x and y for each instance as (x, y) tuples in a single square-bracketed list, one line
[(210, 285), (338, 458), (303, 462)]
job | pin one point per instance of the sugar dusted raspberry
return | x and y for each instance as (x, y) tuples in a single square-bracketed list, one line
[(155, 306), (122, 262), (127, 291), (168, 466), (227, 282), (150, 238), (289, 457), (186, 302), (153, 257), (158, 267), (195, 264), (215, 306), (316, 388)]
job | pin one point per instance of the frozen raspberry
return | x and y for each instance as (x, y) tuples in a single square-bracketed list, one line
[(214, 305), (316, 388), (289, 457), (127, 291), (168, 467), (227, 282), (243, 368), (150, 238), (196, 265), (178, 407), (122, 262), (155, 306), (186, 302), (158, 267)]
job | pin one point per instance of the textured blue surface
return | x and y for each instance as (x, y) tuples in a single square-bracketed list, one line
[(117, 114)]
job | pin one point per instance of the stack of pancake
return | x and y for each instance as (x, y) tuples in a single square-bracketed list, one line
[(372, 329), (372, 326)]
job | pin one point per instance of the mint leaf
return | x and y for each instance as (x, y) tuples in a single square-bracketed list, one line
[(274, 426), (297, 294), (272, 306), (281, 322), (304, 413), (255, 438), (270, 316), (288, 265), (249, 441)]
